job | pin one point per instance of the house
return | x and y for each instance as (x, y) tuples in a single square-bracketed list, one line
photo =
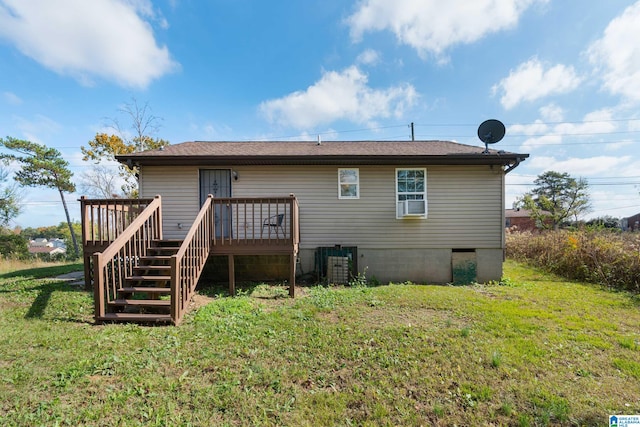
[(631, 223), (520, 220), (47, 250), (402, 208), (52, 247), (40, 242)]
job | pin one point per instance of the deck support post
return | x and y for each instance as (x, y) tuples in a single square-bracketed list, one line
[(98, 287), (232, 276), (292, 274)]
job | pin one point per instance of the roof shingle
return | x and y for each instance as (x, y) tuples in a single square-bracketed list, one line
[(311, 152)]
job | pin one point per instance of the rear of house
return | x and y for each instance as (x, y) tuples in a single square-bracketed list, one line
[(427, 211)]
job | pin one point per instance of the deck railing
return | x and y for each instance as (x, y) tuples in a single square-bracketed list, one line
[(187, 264), (118, 260), (103, 220), (253, 221)]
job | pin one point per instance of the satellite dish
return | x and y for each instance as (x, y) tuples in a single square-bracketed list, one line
[(490, 132)]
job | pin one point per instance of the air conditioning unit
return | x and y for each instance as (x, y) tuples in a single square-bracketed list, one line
[(408, 208), (338, 269)]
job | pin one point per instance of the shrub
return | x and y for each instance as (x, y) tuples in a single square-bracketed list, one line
[(599, 256), (13, 246)]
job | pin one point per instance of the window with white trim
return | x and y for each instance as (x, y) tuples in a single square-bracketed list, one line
[(348, 183), (411, 193)]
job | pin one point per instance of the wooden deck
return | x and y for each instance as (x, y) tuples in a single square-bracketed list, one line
[(129, 265)]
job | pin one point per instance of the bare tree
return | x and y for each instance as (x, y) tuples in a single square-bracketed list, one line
[(101, 182), (139, 137)]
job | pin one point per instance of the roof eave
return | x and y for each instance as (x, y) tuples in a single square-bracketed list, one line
[(508, 159)]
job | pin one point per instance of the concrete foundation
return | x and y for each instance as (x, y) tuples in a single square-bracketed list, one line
[(416, 265)]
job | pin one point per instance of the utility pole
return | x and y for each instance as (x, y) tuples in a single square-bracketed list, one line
[(413, 136)]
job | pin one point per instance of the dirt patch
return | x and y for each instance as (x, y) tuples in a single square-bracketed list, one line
[(198, 301)]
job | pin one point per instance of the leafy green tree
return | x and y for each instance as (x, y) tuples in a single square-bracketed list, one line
[(41, 166), (606, 221), (9, 200), (104, 147), (60, 231), (556, 198), (14, 246)]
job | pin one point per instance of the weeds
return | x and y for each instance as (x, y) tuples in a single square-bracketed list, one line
[(605, 257)]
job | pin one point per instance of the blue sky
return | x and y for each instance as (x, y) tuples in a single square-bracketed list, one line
[(564, 77)]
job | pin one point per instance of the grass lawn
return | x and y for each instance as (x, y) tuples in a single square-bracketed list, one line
[(534, 350)]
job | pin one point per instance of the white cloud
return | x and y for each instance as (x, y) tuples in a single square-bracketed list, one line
[(339, 95), (595, 122), (369, 57), (578, 167), (552, 113), (209, 131), (533, 80), (613, 146), (107, 39), (37, 128), (617, 54), (12, 98), (432, 26), (536, 128), (540, 141)]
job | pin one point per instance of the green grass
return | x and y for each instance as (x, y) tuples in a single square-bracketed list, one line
[(532, 350)]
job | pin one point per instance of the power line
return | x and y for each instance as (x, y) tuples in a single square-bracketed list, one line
[(597, 184), (536, 123)]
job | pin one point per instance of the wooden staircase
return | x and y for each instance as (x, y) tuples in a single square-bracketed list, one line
[(146, 295), (137, 276)]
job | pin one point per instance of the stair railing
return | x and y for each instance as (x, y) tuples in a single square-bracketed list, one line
[(187, 264), (103, 220), (117, 261)]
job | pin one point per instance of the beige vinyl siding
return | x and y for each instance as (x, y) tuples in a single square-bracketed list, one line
[(178, 187), (464, 204)]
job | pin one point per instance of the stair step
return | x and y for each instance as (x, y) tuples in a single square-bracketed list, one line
[(146, 289), (175, 243), (152, 267), (136, 317), (163, 251), (142, 302), (148, 278), (168, 240), (155, 258)]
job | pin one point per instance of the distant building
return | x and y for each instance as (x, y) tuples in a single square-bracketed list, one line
[(520, 220), (44, 246), (59, 243), (631, 223), (48, 250), (40, 243)]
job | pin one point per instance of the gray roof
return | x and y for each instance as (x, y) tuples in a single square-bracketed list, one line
[(327, 152)]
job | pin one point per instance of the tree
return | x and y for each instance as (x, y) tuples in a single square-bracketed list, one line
[(606, 221), (556, 198), (9, 201), (41, 166), (100, 182), (14, 246), (104, 147)]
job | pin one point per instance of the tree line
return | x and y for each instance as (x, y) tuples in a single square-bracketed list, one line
[(37, 165)]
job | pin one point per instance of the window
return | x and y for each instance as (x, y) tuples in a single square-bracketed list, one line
[(411, 193), (348, 183)]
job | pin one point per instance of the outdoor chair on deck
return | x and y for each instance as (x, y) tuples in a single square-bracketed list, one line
[(275, 223)]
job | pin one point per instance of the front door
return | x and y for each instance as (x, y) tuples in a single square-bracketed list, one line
[(218, 183)]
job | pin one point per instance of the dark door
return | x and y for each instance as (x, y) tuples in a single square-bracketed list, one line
[(218, 183)]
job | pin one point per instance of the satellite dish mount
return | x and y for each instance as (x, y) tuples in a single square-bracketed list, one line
[(490, 132)]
